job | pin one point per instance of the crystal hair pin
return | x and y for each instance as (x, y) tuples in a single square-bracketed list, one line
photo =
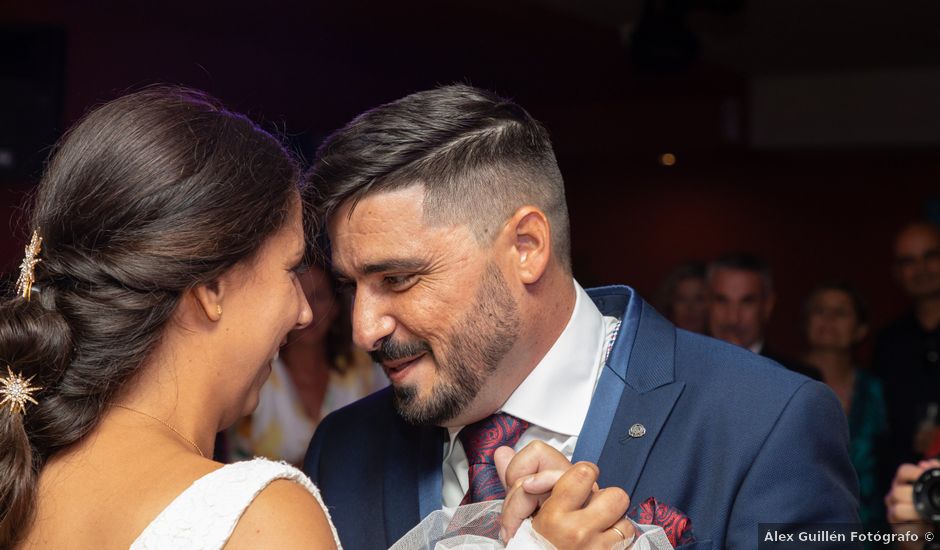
[(24, 285), (16, 391)]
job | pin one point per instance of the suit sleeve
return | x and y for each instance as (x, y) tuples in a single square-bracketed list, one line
[(802, 473), (312, 458)]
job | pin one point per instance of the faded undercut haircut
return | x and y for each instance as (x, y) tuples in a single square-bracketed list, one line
[(480, 157)]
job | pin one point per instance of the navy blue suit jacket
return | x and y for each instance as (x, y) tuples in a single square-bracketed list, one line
[(732, 439)]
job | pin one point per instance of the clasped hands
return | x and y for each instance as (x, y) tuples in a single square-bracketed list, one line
[(566, 505)]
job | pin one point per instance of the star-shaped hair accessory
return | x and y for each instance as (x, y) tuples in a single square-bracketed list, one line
[(24, 285), (16, 391)]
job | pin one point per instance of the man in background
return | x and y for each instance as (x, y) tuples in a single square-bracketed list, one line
[(741, 301), (907, 352)]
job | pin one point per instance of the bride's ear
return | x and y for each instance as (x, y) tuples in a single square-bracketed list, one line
[(208, 298)]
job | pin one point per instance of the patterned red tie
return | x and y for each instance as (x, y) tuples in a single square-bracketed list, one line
[(480, 440)]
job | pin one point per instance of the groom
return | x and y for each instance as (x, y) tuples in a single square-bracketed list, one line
[(448, 222)]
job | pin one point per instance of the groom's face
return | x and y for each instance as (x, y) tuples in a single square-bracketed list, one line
[(429, 303)]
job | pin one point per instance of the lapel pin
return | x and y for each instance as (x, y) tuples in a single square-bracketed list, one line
[(636, 431)]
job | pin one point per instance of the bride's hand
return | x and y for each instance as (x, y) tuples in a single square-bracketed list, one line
[(530, 476), (578, 516)]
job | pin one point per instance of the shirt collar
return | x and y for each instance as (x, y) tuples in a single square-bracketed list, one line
[(557, 393)]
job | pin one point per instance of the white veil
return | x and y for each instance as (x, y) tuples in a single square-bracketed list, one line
[(476, 527)]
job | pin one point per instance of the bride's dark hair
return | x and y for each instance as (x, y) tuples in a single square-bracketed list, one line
[(148, 196)]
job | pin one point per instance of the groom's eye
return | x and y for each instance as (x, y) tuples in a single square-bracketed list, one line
[(400, 282)]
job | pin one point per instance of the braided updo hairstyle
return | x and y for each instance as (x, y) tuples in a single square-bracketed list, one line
[(147, 197)]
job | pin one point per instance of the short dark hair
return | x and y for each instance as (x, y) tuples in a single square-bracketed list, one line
[(742, 261), (479, 156)]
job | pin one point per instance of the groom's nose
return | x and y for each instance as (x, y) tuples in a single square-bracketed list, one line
[(371, 322)]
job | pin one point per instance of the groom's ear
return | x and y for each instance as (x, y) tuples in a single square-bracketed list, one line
[(528, 235)]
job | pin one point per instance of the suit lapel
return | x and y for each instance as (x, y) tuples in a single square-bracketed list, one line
[(627, 450), (430, 476), (412, 457), (640, 377), (610, 386)]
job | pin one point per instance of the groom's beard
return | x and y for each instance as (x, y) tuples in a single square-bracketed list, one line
[(475, 347)]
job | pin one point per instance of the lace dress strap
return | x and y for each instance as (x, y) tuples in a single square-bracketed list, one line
[(204, 515)]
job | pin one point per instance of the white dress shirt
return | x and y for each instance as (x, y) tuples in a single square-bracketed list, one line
[(554, 398)]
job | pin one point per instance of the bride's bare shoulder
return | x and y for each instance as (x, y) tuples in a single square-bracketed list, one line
[(89, 499), (284, 515)]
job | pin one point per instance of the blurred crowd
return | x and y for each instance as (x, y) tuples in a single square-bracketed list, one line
[(891, 403)]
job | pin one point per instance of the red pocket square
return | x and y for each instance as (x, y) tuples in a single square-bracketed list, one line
[(678, 526)]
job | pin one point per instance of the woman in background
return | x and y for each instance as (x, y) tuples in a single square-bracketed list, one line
[(317, 372), (683, 297), (836, 321)]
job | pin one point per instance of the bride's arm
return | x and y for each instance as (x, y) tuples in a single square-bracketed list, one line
[(283, 516)]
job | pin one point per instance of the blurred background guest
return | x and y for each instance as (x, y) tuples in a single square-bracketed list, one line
[(683, 297), (741, 301), (907, 352), (317, 372), (836, 322)]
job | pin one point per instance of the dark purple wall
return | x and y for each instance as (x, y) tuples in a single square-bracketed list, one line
[(308, 68)]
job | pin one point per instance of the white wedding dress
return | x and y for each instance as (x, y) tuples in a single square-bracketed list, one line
[(204, 516)]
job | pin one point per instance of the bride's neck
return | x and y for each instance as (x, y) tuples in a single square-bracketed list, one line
[(175, 393)]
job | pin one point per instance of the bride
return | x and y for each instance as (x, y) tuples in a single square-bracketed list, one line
[(159, 283)]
